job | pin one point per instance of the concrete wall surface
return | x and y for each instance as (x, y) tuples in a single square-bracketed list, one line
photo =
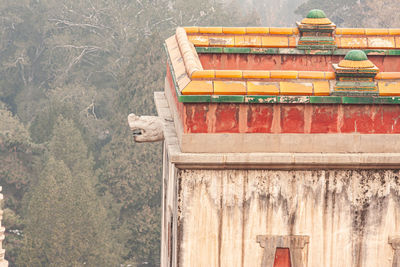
[(326, 217)]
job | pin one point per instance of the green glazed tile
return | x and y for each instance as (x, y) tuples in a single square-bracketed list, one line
[(356, 85), (374, 52), (290, 51), (340, 52), (320, 52), (357, 90), (227, 98), (316, 38), (356, 94), (357, 100), (194, 98), (237, 50), (325, 99), (209, 49), (319, 47), (387, 100), (393, 52), (260, 99), (294, 99), (264, 50)]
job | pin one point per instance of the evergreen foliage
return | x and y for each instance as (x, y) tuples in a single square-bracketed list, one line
[(70, 73), (66, 224)]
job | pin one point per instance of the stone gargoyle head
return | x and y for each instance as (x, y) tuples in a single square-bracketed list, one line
[(146, 128)]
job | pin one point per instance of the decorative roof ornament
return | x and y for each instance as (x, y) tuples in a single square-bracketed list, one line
[(356, 59), (355, 75), (316, 32), (316, 17)]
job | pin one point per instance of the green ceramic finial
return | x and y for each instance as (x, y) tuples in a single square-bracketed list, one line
[(316, 14), (356, 55)]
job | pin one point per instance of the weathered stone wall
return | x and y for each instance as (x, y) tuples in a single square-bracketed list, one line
[(348, 215)]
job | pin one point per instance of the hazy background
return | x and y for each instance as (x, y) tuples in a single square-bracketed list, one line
[(78, 190)]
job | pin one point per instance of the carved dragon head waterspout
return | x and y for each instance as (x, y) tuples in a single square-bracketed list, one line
[(146, 128)]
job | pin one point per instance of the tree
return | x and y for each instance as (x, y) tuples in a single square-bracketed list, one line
[(344, 13), (18, 156), (66, 224), (382, 13), (93, 62)]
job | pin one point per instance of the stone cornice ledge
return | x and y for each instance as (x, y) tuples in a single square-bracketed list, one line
[(266, 160)]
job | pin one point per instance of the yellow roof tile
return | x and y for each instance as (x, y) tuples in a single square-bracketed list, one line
[(183, 82), (397, 41), (222, 40), (228, 74), (389, 88), (353, 42), (256, 74), (248, 41), (287, 31), (376, 31), (198, 88), (191, 29), (262, 88), (210, 29), (350, 31), (330, 75), (234, 30), (311, 75), (290, 88), (229, 88), (321, 88), (292, 42), (201, 74), (283, 74), (394, 31), (381, 42), (275, 41), (199, 40), (257, 30), (387, 75)]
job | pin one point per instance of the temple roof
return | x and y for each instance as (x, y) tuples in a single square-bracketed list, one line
[(219, 64)]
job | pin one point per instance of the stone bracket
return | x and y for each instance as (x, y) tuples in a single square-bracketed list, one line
[(295, 243)]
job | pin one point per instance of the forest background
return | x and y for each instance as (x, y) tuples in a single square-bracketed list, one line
[(78, 190)]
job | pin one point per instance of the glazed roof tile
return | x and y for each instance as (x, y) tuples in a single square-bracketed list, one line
[(192, 79)]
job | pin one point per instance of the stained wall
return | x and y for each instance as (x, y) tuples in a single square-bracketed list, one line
[(347, 214)]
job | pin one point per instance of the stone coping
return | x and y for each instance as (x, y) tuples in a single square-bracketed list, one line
[(264, 160), (194, 84)]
